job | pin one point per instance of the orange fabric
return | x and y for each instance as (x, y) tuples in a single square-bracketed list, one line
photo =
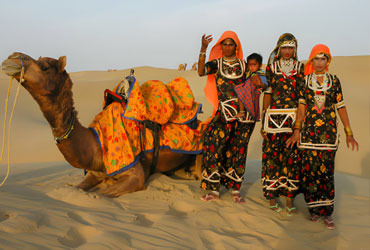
[(119, 136), (162, 103), (216, 52), (318, 49)]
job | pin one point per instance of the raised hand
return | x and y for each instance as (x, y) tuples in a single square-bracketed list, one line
[(206, 40)]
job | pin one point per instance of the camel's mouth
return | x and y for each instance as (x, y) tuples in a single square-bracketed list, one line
[(11, 67)]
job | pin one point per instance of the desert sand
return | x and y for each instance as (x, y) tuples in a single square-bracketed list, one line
[(41, 209)]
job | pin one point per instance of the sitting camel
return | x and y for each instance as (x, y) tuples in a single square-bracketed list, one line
[(194, 67), (182, 67), (50, 85)]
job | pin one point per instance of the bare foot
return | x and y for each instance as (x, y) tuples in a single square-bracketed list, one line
[(209, 197), (238, 199)]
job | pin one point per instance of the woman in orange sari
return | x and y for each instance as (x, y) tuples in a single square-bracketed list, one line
[(227, 135), (318, 137)]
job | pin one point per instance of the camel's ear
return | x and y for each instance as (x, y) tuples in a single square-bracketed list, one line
[(62, 61)]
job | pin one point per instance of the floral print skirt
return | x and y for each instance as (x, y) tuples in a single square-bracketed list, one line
[(224, 153), (318, 181), (280, 167)]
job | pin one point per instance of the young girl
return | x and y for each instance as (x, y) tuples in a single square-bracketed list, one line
[(318, 101), (280, 165)]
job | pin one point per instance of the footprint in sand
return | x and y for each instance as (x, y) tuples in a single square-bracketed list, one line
[(82, 218), (22, 222), (4, 216), (181, 208), (77, 236), (145, 220)]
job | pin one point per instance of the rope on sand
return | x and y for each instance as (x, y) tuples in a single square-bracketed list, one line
[(10, 122)]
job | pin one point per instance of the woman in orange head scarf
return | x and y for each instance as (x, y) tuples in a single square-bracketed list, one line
[(318, 102), (227, 135)]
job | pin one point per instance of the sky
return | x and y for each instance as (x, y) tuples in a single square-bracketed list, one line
[(112, 34)]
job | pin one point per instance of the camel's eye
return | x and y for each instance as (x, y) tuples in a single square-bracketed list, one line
[(44, 68)]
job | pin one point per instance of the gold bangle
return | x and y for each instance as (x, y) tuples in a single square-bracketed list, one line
[(298, 125), (202, 54), (348, 131)]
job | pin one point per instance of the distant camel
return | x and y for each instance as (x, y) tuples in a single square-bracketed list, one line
[(182, 67), (50, 85), (194, 67)]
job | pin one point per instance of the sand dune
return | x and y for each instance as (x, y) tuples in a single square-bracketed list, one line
[(40, 208)]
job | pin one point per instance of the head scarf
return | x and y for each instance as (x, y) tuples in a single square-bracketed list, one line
[(317, 50), (216, 53), (285, 39)]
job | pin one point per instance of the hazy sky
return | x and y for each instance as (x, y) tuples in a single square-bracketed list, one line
[(112, 34)]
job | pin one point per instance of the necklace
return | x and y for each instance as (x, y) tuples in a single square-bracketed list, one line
[(287, 66), (316, 86), (229, 60)]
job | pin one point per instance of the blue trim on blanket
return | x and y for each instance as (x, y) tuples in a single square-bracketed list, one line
[(96, 136), (137, 158)]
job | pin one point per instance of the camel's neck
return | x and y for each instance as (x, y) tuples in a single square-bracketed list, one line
[(80, 149), (57, 107)]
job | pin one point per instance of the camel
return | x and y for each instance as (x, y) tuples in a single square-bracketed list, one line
[(51, 87), (194, 67), (182, 67)]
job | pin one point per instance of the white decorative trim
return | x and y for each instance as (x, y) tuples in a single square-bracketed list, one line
[(339, 105), (290, 187), (320, 203), (242, 66), (318, 146), (268, 90), (311, 82), (228, 110), (289, 113), (276, 68), (229, 175), (208, 178)]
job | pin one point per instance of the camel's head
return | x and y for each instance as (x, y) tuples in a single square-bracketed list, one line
[(41, 77)]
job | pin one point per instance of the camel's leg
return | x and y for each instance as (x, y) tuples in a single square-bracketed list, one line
[(90, 181), (198, 167), (192, 169), (130, 181), (125, 184)]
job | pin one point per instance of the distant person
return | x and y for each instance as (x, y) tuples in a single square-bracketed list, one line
[(227, 135), (318, 137)]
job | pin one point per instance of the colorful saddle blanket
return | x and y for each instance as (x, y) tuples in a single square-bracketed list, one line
[(117, 127)]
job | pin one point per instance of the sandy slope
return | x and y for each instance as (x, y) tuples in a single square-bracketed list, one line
[(41, 209)]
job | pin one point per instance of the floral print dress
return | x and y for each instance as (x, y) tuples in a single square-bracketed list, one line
[(319, 141), (280, 165), (226, 137)]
